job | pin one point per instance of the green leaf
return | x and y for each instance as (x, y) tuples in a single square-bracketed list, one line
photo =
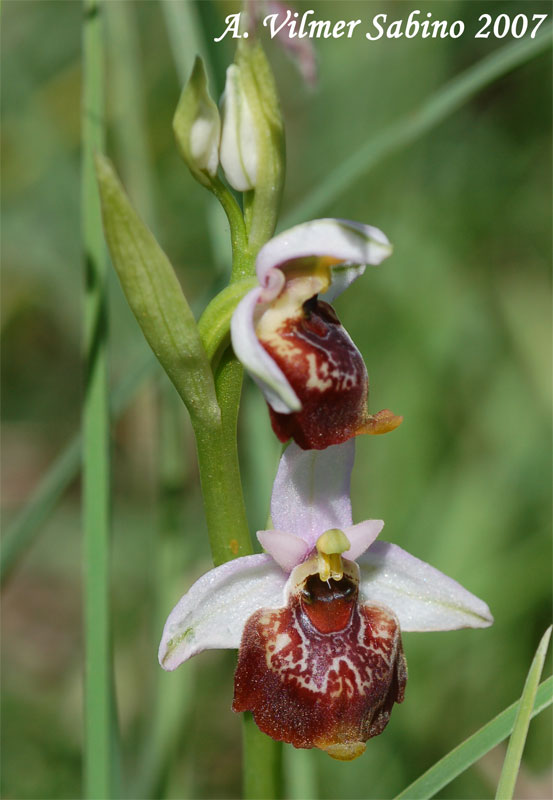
[(473, 748), (156, 298), (511, 765)]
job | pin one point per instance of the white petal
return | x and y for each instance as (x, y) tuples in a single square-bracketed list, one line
[(355, 245), (361, 536), (422, 597), (286, 549), (311, 490), (265, 372), (215, 609)]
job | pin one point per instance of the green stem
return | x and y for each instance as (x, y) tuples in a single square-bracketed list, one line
[(242, 258), (99, 712), (227, 524), (218, 452), (262, 763), (229, 537)]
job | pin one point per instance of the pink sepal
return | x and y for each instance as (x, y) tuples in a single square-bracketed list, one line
[(311, 491)]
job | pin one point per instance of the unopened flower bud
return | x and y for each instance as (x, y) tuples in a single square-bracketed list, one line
[(197, 126), (239, 150)]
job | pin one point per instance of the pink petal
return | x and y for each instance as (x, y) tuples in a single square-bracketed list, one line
[(287, 549), (361, 536)]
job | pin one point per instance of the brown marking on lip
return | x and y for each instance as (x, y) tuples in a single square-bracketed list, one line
[(328, 375), (310, 688)]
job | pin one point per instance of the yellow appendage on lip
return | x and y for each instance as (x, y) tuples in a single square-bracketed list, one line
[(344, 751)]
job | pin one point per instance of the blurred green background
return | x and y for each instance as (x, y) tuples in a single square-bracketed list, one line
[(455, 331)]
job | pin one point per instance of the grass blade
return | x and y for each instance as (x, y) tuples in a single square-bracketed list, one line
[(511, 765), (185, 38), (408, 129), (473, 748), (21, 533), (99, 708), (129, 113), (173, 695)]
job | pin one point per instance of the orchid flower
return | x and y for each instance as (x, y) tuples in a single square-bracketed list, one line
[(292, 343), (318, 617)]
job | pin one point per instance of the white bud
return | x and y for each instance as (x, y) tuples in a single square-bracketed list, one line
[(197, 126), (239, 149)]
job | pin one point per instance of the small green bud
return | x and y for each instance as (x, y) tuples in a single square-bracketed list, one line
[(197, 126)]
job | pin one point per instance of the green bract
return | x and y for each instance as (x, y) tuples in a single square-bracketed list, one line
[(156, 298)]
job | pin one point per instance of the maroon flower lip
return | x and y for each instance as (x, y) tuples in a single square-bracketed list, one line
[(322, 672), (328, 375)]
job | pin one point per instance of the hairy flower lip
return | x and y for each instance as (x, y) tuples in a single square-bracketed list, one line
[(324, 673)]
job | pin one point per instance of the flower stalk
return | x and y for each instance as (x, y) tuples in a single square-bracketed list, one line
[(217, 448)]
